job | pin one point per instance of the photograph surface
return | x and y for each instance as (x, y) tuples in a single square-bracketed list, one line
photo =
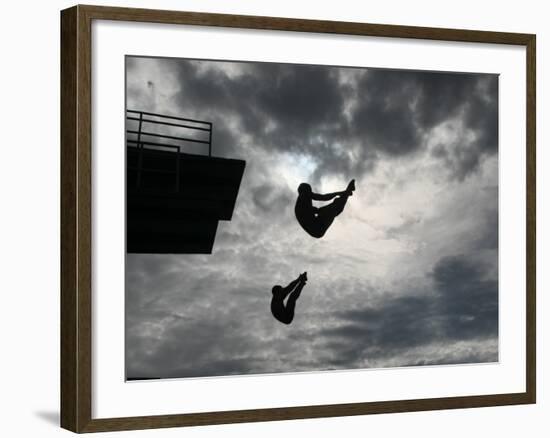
[(285, 218)]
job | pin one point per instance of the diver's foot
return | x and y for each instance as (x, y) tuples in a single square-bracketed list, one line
[(351, 187)]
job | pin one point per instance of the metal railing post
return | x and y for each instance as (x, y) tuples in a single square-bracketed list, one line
[(177, 170), (210, 141), (140, 152)]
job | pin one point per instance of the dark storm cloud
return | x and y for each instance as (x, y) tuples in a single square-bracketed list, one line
[(278, 105), (463, 306), (401, 323), (300, 108), (480, 118), (384, 119), (468, 300), (303, 101), (397, 107)]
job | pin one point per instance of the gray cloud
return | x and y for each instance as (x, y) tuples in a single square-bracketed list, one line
[(398, 108), (462, 306), (467, 298), (299, 108), (269, 198)]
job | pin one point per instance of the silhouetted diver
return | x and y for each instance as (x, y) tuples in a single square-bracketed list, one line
[(316, 221), (282, 312)]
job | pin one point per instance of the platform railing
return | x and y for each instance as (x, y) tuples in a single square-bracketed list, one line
[(144, 138), (148, 118)]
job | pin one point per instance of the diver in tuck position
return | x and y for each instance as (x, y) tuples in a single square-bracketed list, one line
[(285, 312), (316, 221)]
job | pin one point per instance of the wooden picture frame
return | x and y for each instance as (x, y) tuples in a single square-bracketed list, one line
[(76, 218)]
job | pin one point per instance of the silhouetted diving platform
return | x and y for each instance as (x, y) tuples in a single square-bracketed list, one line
[(175, 199)]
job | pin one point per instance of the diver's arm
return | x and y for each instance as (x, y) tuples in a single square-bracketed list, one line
[(326, 196), (292, 284)]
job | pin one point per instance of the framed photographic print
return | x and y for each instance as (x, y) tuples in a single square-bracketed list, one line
[(269, 218)]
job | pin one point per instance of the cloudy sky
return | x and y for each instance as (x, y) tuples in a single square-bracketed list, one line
[(407, 275)]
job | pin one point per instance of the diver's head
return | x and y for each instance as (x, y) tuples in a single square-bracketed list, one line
[(276, 289), (304, 189)]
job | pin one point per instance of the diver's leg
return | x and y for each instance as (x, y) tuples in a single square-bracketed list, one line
[(324, 216), (291, 302), (323, 221), (288, 289), (337, 206), (317, 227), (286, 292), (327, 213), (296, 292)]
